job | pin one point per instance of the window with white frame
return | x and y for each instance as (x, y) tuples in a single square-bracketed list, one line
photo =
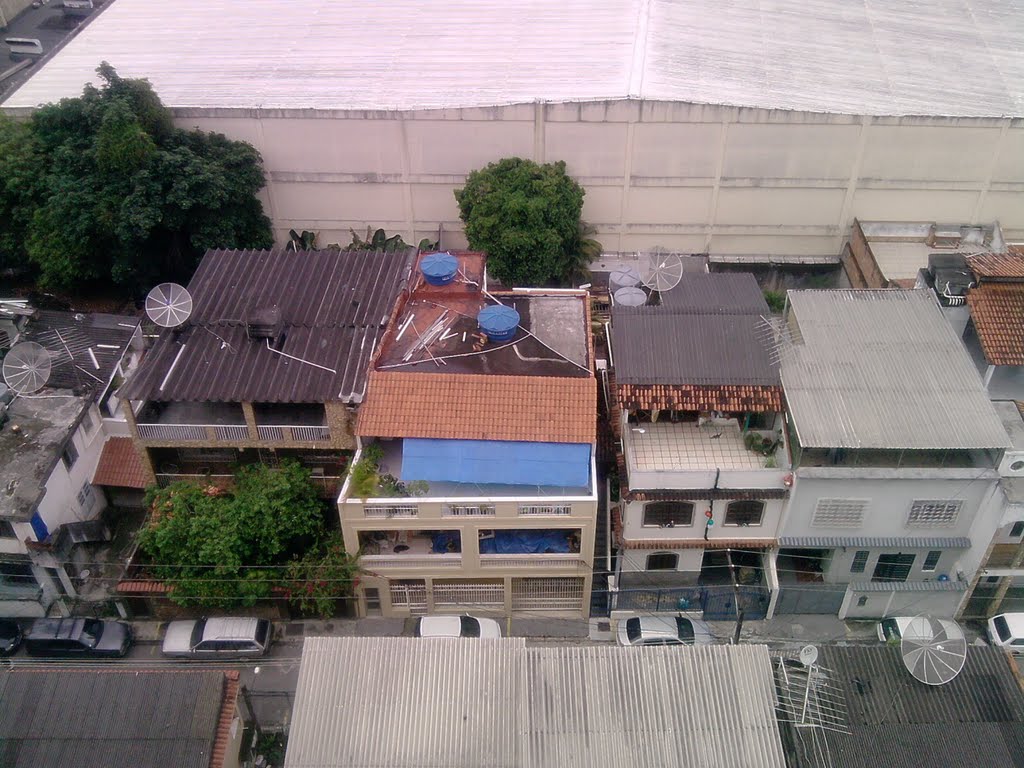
[(545, 509), (839, 513), (744, 513), (934, 513), (469, 510), (668, 514), (931, 561), (86, 497)]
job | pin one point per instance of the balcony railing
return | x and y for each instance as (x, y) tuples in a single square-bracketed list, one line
[(531, 561), (297, 434), (371, 562), (193, 432), (388, 511), (326, 485)]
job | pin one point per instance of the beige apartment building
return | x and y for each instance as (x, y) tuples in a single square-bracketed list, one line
[(474, 486)]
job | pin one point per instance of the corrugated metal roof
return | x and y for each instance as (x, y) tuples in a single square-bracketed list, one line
[(918, 542), (883, 369), (409, 702), (895, 721), (143, 719), (908, 586), (953, 57), (718, 293), (333, 306), (659, 345), (70, 337)]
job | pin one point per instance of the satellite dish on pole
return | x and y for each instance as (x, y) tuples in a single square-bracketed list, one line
[(808, 655), (662, 272), (27, 367), (169, 305), (933, 650)]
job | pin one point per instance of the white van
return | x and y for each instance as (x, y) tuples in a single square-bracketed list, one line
[(1007, 631), (24, 47)]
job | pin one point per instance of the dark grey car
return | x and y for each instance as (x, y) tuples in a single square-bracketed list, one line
[(78, 638)]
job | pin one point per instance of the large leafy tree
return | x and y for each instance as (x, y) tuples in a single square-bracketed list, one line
[(104, 187), (230, 548), (527, 218)]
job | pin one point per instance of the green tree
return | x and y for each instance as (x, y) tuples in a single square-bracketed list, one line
[(213, 548), (115, 192), (527, 218), (323, 579)]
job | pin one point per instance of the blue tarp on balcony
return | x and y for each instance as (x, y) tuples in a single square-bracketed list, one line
[(565, 465)]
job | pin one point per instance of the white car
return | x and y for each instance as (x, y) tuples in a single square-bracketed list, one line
[(895, 628), (1007, 631), (457, 626), (663, 630), (220, 638)]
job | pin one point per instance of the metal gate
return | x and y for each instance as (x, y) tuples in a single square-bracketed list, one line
[(821, 599), (551, 594), (467, 595), (722, 602), (409, 593)]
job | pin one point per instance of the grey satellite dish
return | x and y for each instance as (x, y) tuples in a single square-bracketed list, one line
[(169, 305), (27, 368), (808, 655), (630, 297), (623, 277), (662, 272), (933, 650)]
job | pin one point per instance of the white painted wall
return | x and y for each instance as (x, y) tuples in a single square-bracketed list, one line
[(683, 176)]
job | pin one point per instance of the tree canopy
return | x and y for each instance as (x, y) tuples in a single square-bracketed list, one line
[(103, 187), (527, 218), (213, 548)]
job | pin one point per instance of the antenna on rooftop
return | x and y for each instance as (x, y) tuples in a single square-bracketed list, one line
[(933, 651), (168, 305), (777, 337), (662, 271), (27, 367)]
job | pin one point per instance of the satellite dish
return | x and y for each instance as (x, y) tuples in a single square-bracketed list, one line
[(169, 305), (808, 655), (27, 367), (662, 272), (630, 297), (933, 650)]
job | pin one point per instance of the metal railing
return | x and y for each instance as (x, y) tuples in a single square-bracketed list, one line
[(542, 510), (371, 562), (199, 432), (280, 432), (390, 510), (532, 561)]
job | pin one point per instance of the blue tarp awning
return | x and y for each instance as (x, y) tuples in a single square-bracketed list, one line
[(564, 465)]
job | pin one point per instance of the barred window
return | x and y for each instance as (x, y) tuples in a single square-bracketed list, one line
[(662, 561), (934, 513), (839, 513), (931, 562), (668, 514), (86, 498), (545, 509), (860, 560), (744, 513), (469, 510)]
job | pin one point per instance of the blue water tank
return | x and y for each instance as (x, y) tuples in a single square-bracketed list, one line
[(439, 268), (498, 322)]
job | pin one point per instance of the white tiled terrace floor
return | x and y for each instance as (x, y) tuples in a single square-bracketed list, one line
[(667, 446)]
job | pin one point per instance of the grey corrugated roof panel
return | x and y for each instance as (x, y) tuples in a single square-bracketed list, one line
[(882, 369), (919, 542), (653, 346), (977, 719), (909, 586), (334, 307), (69, 336), (498, 703), (721, 293), (144, 719), (831, 56)]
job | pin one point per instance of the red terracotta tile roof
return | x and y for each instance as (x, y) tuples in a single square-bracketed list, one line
[(229, 703), (699, 543), (998, 313), (119, 465), (545, 409), (691, 397), (998, 265)]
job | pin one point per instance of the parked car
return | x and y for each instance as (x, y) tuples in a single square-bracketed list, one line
[(10, 637), (78, 638), (456, 626), (663, 630), (1007, 631), (218, 638), (895, 628)]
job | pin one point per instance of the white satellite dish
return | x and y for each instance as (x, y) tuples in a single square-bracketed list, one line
[(27, 367), (630, 297), (662, 271), (808, 655), (933, 650), (169, 305)]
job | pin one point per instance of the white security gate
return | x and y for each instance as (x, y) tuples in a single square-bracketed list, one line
[(467, 595), (409, 593), (551, 594)]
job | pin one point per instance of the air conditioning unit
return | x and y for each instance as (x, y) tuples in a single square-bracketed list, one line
[(1012, 464)]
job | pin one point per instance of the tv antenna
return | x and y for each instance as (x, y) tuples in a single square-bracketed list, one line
[(933, 651), (662, 271), (27, 367), (168, 305)]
